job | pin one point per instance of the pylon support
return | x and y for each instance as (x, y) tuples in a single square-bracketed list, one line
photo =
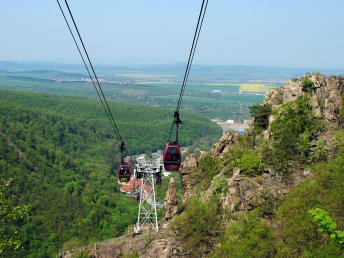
[(147, 215)]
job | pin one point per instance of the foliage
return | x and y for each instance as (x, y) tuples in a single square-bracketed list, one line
[(243, 144), (294, 234), (307, 85), (250, 236), (81, 254), (63, 158), (261, 115), (12, 217), (198, 227), (251, 162), (327, 225), (293, 129), (299, 236), (144, 128), (319, 153), (208, 167), (219, 187)]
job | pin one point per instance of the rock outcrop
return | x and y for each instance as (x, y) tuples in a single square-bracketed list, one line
[(248, 192), (186, 168), (147, 245), (220, 147), (171, 200), (326, 95)]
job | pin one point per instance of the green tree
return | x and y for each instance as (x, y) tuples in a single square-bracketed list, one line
[(261, 115), (11, 217), (293, 129)]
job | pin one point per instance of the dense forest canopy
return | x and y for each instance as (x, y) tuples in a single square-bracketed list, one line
[(62, 155)]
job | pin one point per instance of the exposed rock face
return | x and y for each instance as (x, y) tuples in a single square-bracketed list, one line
[(171, 200), (220, 147), (186, 168), (326, 95), (160, 244), (247, 192)]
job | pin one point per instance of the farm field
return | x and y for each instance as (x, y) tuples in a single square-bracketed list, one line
[(254, 87), (222, 92)]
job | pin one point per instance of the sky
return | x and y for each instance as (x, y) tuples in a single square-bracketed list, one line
[(293, 33)]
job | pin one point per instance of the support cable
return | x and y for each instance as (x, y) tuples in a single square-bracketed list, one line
[(176, 120), (93, 78)]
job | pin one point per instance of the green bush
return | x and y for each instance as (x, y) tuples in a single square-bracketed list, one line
[(251, 162), (319, 153), (208, 167), (82, 254), (327, 225), (219, 187), (198, 227), (293, 130), (307, 85), (297, 231), (250, 236)]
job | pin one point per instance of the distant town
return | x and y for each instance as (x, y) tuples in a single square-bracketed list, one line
[(230, 124)]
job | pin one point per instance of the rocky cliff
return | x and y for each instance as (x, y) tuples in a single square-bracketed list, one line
[(325, 93)]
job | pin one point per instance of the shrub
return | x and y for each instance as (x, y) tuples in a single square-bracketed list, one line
[(307, 85), (219, 188), (293, 129), (250, 236), (251, 162), (299, 233), (82, 254), (208, 167), (327, 225), (319, 153), (198, 227)]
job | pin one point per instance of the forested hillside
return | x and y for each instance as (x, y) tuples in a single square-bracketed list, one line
[(276, 191), (61, 155)]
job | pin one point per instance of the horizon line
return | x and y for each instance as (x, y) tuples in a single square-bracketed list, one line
[(167, 63)]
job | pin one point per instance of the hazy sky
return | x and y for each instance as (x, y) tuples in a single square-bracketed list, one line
[(302, 33)]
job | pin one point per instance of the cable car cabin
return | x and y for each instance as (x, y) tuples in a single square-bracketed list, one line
[(172, 157), (124, 173)]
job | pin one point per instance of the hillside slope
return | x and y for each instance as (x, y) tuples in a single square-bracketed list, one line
[(62, 157), (254, 195)]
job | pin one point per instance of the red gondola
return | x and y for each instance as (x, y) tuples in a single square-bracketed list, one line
[(172, 157), (124, 173)]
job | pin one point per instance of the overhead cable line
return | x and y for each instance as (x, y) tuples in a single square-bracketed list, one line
[(93, 78), (83, 60), (176, 119)]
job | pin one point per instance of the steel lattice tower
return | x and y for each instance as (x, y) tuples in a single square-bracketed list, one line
[(147, 214)]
